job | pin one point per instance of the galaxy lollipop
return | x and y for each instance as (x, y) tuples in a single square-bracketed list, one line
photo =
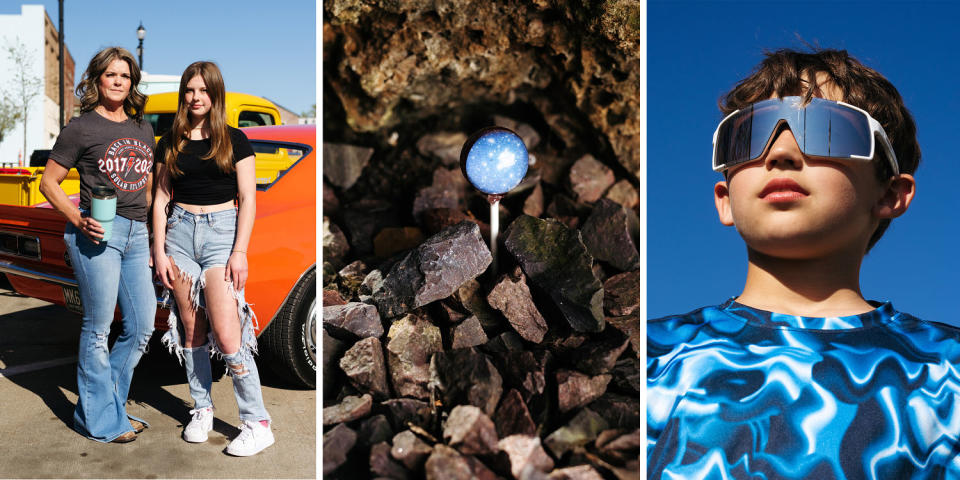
[(494, 160)]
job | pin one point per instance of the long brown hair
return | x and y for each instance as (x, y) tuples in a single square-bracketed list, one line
[(89, 91), (221, 149)]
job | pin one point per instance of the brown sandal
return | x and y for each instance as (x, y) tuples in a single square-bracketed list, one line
[(137, 426), (126, 437)]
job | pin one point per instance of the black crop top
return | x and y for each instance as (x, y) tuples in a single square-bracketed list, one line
[(202, 182)]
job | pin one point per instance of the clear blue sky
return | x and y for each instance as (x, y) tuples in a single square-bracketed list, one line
[(698, 50), (263, 48)]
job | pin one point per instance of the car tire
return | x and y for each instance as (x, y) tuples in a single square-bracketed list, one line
[(289, 343)]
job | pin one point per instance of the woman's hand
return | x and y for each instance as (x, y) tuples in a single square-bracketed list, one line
[(236, 271), (164, 268), (91, 228)]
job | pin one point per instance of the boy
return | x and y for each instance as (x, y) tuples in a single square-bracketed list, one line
[(831, 385)]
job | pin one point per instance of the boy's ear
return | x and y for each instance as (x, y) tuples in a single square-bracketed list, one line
[(721, 197), (897, 197)]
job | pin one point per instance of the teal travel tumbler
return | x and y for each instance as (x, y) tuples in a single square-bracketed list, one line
[(103, 208)]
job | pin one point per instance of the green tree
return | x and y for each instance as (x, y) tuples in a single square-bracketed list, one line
[(9, 115), (24, 86)]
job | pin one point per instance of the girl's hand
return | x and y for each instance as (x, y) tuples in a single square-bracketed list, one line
[(164, 268), (236, 271), (91, 229)]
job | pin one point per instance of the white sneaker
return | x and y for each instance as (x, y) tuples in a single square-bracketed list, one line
[(253, 438), (200, 424)]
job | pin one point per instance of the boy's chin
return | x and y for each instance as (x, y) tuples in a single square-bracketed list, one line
[(795, 247)]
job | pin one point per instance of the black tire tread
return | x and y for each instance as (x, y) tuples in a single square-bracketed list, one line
[(279, 343)]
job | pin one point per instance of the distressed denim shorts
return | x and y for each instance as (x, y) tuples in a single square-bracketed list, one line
[(197, 243)]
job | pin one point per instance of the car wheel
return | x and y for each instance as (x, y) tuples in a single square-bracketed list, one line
[(290, 341)]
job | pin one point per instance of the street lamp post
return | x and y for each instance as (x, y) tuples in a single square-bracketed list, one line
[(141, 32)]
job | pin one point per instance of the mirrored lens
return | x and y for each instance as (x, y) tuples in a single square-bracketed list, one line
[(733, 140), (835, 131)]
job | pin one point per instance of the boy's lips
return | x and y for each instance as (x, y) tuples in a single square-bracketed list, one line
[(782, 189)]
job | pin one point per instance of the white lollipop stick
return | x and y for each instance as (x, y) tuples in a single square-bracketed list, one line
[(494, 231)]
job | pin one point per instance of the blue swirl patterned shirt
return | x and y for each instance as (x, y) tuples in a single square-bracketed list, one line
[(738, 393)]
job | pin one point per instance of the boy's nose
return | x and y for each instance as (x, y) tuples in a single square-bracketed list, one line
[(784, 151)]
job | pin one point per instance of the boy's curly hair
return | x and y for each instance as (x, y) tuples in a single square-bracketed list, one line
[(789, 72)]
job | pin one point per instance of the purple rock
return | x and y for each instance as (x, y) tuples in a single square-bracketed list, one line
[(364, 365), (357, 319), (409, 450), (580, 472), (599, 355), (375, 429), (445, 463), (525, 452), (335, 244), (555, 259), (590, 179), (552, 168), (627, 441), (530, 136), (351, 408), (434, 270), (448, 191), (512, 297), (342, 164), (371, 283), (621, 410), (622, 293), (505, 342), (331, 204), (533, 205), (470, 431), (567, 211), (575, 389), (469, 334), (382, 465), (450, 313), (337, 443), (609, 232), (512, 416), (630, 326), (332, 350), (411, 342), (525, 371), (466, 376), (627, 374), (332, 297)]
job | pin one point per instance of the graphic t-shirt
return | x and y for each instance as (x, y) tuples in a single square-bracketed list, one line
[(115, 154), (735, 392), (202, 181)]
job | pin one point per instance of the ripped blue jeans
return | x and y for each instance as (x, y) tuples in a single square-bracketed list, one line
[(197, 243), (108, 274)]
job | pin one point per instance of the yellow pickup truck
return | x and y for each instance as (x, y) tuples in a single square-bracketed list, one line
[(21, 186)]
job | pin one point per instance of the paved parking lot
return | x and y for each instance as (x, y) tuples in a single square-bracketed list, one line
[(38, 350)]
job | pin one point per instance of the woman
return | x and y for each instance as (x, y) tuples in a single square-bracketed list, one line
[(203, 165), (110, 145)]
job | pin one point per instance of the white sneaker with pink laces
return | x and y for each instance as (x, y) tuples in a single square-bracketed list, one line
[(253, 438)]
